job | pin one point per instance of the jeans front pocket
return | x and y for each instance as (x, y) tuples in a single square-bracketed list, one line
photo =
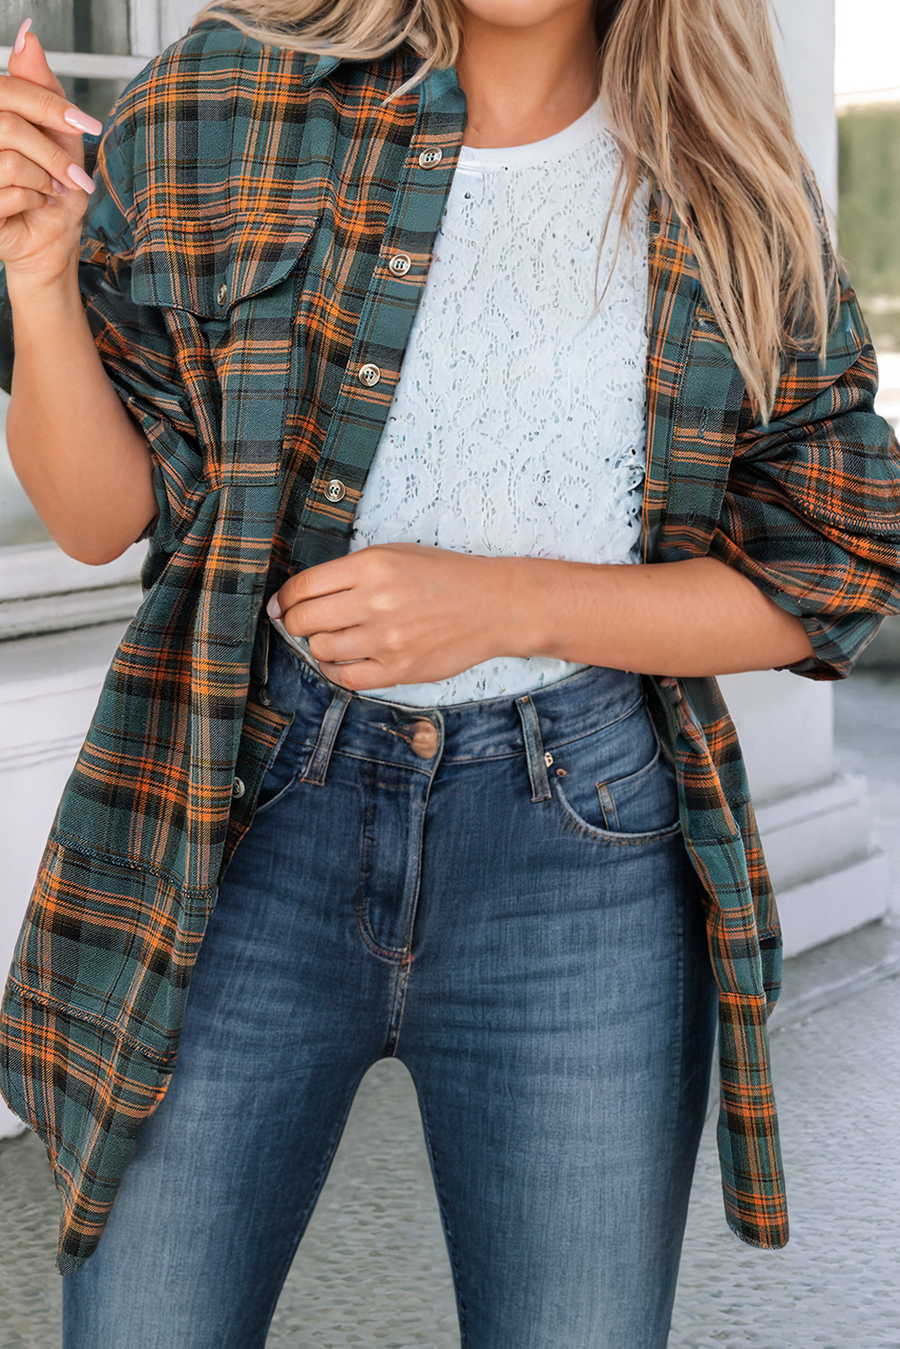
[(280, 775), (615, 784)]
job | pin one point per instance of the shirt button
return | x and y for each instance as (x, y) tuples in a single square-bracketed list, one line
[(429, 159), (399, 264), (335, 490), (221, 295), (238, 788), (369, 375)]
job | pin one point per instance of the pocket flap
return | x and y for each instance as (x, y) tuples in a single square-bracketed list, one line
[(207, 267)]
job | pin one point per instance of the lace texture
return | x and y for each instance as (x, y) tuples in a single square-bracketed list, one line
[(518, 425)]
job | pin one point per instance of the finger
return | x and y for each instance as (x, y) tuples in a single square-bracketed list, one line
[(326, 578), (357, 676), (22, 138), (16, 170), (28, 62), (33, 91), (329, 613), (15, 200), (333, 647)]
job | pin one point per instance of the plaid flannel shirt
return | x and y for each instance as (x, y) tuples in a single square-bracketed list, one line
[(235, 275)]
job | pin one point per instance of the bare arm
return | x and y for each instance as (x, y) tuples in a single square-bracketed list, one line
[(407, 614), (81, 458), (697, 617)]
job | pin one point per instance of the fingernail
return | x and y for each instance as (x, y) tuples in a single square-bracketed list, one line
[(81, 122), (273, 608), (19, 44), (60, 188), (50, 201), (78, 176)]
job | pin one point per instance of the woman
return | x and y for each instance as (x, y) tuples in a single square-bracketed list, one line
[(470, 834)]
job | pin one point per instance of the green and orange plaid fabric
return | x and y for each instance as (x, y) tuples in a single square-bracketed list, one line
[(235, 274)]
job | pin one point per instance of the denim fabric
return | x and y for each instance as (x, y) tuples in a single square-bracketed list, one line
[(499, 894)]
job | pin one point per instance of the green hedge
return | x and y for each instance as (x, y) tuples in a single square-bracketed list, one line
[(869, 178)]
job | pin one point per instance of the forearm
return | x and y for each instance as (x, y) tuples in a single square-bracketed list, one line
[(82, 459), (697, 617)]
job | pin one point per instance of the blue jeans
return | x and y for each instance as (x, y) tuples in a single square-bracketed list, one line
[(497, 893)]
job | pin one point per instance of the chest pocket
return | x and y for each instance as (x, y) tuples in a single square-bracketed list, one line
[(232, 287)]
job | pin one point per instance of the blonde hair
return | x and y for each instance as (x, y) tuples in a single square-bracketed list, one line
[(693, 93)]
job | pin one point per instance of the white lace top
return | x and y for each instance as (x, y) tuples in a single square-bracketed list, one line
[(517, 426)]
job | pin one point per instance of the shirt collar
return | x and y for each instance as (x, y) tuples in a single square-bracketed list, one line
[(323, 66), (318, 67)]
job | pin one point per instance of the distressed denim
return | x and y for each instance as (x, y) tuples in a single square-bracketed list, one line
[(498, 894)]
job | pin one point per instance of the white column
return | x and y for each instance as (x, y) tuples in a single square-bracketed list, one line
[(815, 825)]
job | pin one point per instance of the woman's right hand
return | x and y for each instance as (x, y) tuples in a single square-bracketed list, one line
[(43, 184)]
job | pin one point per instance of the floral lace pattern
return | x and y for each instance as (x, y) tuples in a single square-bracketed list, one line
[(518, 427)]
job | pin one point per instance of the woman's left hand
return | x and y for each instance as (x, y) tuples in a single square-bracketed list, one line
[(402, 613)]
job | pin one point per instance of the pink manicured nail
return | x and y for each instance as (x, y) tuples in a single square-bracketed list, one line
[(49, 201), (273, 608), (82, 122), (78, 176), (19, 44), (59, 187)]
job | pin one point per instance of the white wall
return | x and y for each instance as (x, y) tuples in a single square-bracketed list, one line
[(805, 33), (867, 56)]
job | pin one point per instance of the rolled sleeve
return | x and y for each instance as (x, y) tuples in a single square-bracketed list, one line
[(134, 340), (811, 511)]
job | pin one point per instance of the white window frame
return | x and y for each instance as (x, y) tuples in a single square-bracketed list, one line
[(41, 588)]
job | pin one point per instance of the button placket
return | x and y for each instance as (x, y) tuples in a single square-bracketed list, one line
[(385, 321)]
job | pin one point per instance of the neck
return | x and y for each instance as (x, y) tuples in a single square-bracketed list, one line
[(524, 83)]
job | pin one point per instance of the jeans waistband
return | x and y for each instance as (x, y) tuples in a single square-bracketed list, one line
[(535, 723)]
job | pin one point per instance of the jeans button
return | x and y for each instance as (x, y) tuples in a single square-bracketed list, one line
[(425, 738)]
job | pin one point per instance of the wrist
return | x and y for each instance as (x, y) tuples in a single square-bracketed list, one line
[(524, 590), (47, 286), (45, 311)]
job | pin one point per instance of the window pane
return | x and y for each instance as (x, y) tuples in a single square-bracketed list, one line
[(72, 25)]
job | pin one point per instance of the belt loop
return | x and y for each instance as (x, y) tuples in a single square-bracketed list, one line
[(534, 749), (331, 724)]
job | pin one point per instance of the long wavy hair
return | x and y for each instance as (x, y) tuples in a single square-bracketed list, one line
[(693, 93)]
